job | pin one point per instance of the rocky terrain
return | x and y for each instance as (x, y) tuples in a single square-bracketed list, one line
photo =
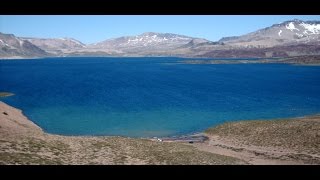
[(286, 39)]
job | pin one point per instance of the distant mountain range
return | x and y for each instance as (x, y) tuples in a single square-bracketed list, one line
[(286, 33), (11, 46), (290, 38), (57, 45)]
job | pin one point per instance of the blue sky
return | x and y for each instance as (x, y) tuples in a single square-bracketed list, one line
[(92, 29)]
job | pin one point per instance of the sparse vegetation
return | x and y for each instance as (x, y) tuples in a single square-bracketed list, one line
[(298, 134), (108, 150), (294, 140)]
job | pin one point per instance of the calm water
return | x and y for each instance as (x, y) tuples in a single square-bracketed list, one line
[(146, 97)]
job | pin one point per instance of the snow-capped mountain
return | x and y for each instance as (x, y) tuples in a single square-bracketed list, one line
[(147, 41), (289, 38), (56, 45), (286, 33), (11, 45)]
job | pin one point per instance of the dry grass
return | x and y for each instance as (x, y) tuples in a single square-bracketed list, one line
[(108, 150), (301, 134)]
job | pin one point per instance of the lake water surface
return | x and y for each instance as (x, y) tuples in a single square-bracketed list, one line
[(147, 97)]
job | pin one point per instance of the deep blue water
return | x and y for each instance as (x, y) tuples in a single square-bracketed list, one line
[(146, 97)]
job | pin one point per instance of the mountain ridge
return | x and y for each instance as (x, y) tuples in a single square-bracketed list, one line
[(303, 37), (12, 46)]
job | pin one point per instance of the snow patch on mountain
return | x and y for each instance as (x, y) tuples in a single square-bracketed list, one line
[(5, 44), (20, 42), (72, 40), (312, 28), (77, 42), (151, 38), (291, 26), (279, 33), (299, 35)]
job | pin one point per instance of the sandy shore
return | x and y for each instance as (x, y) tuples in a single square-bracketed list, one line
[(294, 141)]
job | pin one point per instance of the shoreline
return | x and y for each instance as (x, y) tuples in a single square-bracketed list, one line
[(199, 136), (241, 142), (23, 142), (193, 137), (20, 58), (174, 138), (303, 60)]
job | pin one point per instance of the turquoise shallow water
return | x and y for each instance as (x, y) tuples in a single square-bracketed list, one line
[(146, 97)]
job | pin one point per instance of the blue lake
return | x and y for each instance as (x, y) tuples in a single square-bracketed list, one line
[(147, 97)]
